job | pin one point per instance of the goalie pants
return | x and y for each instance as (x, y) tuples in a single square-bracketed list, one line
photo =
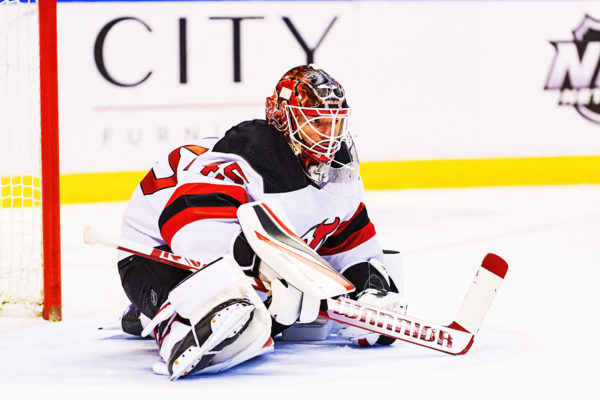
[(147, 283)]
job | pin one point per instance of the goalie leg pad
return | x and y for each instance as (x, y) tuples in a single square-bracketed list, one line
[(211, 321), (202, 342)]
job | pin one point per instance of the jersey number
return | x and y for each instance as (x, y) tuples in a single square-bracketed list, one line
[(231, 171)]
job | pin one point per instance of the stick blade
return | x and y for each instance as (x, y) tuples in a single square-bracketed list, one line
[(481, 293)]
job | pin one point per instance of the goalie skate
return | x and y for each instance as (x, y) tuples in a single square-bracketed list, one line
[(211, 334)]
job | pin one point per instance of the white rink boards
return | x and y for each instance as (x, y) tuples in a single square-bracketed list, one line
[(426, 80)]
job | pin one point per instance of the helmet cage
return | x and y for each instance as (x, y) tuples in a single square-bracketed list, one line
[(317, 133)]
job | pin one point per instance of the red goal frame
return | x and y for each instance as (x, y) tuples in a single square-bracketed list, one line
[(52, 309)]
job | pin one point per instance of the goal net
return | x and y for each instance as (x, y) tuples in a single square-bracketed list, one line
[(29, 269)]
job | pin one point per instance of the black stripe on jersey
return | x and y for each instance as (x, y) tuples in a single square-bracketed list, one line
[(360, 221), (273, 230), (196, 200)]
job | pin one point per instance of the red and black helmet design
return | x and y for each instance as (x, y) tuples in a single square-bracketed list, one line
[(303, 86)]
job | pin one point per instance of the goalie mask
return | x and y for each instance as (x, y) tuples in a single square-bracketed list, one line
[(310, 108)]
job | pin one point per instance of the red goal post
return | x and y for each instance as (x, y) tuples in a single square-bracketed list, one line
[(29, 169), (50, 165)]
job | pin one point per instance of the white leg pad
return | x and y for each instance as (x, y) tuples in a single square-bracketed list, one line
[(209, 287), (197, 296), (178, 332)]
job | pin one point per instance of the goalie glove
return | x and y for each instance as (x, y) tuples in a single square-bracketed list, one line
[(376, 288)]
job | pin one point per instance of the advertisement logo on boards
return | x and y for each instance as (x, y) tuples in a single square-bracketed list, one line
[(195, 119), (574, 73)]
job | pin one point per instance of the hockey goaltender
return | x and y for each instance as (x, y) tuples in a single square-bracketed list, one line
[(302, 161)]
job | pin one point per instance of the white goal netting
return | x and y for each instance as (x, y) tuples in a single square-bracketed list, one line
[(21, 274)]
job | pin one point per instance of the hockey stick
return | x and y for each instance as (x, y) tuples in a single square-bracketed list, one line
[(456, 338)]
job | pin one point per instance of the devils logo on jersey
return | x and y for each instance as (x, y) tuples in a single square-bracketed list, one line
[(317, 235)]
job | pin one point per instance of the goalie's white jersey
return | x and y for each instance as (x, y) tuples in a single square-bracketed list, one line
[(189, 199)]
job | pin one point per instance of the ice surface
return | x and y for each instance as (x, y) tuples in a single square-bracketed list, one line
[(538, 340)]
